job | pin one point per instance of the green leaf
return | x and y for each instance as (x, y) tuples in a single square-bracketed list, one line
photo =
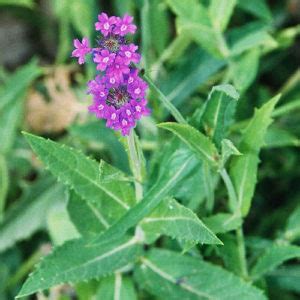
[(92, 181), (86, 216), (159, 25), (82, 13), (60, 227), (29, 214), (286, 278), (170, 275), (195, 140), (243, 169), (292, 229), (195, 70), (222, 222), (26, 3), (78, 260), (244, 68), (249, 36), (11, 105), (24, 76), (99, 136), (4, 182), (258, 8), (219, 111), (173, 219), (10, 120), (228, 149), (277, 137), (117, 287), (220, 12), (179, 166), (194, 20), (272, 258)]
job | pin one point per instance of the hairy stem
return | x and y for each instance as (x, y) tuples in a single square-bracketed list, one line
[(135, 165), (242, 253), (234, 206)]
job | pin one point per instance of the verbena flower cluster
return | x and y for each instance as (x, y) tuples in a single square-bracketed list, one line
[(118, 91)]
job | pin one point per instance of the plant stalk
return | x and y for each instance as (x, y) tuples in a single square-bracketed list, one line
[(242, 253), (135, 164)]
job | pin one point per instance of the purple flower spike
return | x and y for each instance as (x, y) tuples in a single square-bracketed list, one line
[(82, 49), (105, 24), (118, 91)]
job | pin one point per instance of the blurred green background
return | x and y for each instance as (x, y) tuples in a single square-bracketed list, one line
[(43, 91)]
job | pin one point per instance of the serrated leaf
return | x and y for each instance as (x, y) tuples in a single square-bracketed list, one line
[(86, 216), (29, 215), (195, 140), (222, 222), (292, 229), (78, 260), (243, 168), (173, 219), (220, 12), (272, 258), (170, 275), (4, 181), (228, 149), (219, 111), (92, 181), (175, 170), (117, 287)]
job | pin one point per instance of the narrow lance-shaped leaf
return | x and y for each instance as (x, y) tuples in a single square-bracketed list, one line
[(77, 260), (171, 175), (175, 220), (219, 111), (273, 257), (195, 140), (243, 168), (92, 181), (171, 275)]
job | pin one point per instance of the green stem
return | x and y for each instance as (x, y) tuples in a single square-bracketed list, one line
[(168, 105), (25, 268), (135, 165), (242, 253), (235, 207), (233, 200)]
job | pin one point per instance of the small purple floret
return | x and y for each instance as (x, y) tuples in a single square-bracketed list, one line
[(118, 91), (81, 50)]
